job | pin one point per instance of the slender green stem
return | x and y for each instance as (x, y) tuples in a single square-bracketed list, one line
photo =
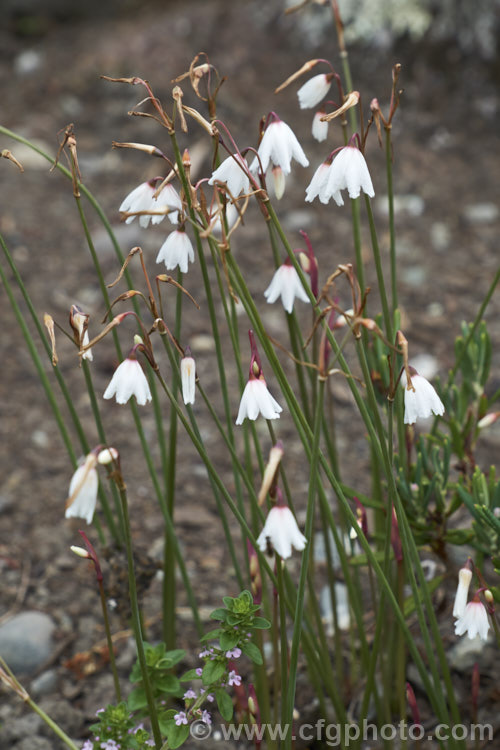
[(380, 273), (109, 641), (299, 606), (136, 617), (392, 229)]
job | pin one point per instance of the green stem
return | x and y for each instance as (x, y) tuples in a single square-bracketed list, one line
[(136, 617), (392, 229), (109, 641)]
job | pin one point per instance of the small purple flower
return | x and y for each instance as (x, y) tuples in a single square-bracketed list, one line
[(199, 671), (234, 678), (180, 718), (206, 717), (235, 653), (206, 652), (189, 694), (88, 745), (110, 745)]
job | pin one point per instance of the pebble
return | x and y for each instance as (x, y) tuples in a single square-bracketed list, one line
[(481, 213), (26, 641), (27, 62), (31, 159), (440, 235), (34, 743), (43, 684), (467, 651), (414, 276)]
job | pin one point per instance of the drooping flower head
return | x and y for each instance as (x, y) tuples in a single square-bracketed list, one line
[(278, 147), (144, 202), (234, 172), (474, 620), (177, 250), (421, 399), (280, 531), (319, 127), (82, 496), (344, 169), (286, 284), (129, 380), (313, 91), (256, 398)]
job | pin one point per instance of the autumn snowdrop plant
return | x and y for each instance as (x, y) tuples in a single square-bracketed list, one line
[(281, 533), (256, 398), (279, 145), (82, 497), (150, 207), (129, 380), (421, 399), (176, 251), (233, 172), (474, 620), (345, 169), (286, 284), (314, 90)]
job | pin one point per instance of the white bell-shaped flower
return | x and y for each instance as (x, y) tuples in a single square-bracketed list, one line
[(314, 90), (286, 284), (83, 488), (282, 532), (474, 621), (177, 250), (464, 579), (278, 147), (319, 127), (234, 175), (129, 380), (348, 171), (421, 402), (142, 198), (256, 400)]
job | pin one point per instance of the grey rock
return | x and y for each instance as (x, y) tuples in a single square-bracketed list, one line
[(61, 711), (44, 683), (410, 205), (440, 236), (414, 276), (467, 651), (325, 604), (16, 729), (26, 641)]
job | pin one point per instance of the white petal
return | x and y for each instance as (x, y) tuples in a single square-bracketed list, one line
[(313, 91), (319, 129)]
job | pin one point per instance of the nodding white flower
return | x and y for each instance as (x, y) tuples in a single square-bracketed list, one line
[(474, 620), (319, 127), (282, 532), (142, 198), (188, 379), (314, 90), (319, 184), (348, 171), (129, 380), (177, 250), (286, 284), (234, 175), (256, 400), (421, 402), (464, 579), (83, 488), (278, 146)]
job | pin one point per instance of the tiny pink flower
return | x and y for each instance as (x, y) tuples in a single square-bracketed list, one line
[(129, 380), (181, 718), (177, 250), (235, 653), (234, 678)]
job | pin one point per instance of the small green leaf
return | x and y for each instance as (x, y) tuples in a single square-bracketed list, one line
[(251, 650), (168, 683), (218, 614), (177, 735), (212, 635), (260, 623), (229, 639), (189, 675), (213, 671), (137, 699), (224, 703)]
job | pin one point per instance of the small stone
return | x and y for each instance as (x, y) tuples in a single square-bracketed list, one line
[(43, 684), (34, 743), (440, 236), (27, 62), (481, 213), (26, 641), (467, 651), (411, 205), (342, 600), (414, 276)]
